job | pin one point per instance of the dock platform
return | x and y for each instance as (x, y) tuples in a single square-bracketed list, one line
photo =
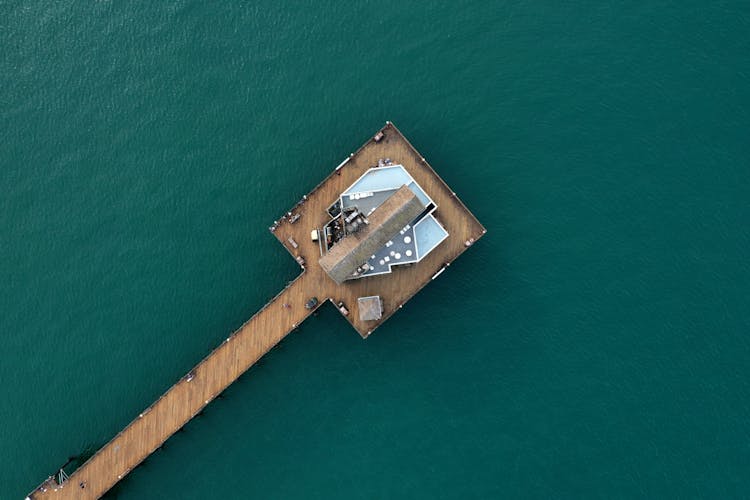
[(285, 312)]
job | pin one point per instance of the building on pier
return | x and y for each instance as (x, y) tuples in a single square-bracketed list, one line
[(383, 220)]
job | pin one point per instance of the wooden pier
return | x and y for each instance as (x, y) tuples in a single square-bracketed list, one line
[(151, 428)]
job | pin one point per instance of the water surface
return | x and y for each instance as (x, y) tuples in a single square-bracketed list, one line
[(594, 344)]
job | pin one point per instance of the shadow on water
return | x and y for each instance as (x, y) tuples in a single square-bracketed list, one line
[(115, 491), (76, 461)]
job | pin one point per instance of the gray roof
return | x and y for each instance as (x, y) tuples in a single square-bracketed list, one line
[(388, 219), (370, 308)]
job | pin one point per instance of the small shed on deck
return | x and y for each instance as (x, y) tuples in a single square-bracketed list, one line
[(370, 308)]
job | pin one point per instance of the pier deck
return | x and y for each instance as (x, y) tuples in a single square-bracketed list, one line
[(274, 321), (399, 286)]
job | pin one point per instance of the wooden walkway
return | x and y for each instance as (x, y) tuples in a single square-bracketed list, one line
[(186, 398), (271, 324)]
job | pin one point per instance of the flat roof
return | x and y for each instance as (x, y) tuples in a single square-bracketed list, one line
[(374, 186), (410, 245)]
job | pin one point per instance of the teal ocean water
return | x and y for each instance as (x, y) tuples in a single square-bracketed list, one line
[(594, 345)]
